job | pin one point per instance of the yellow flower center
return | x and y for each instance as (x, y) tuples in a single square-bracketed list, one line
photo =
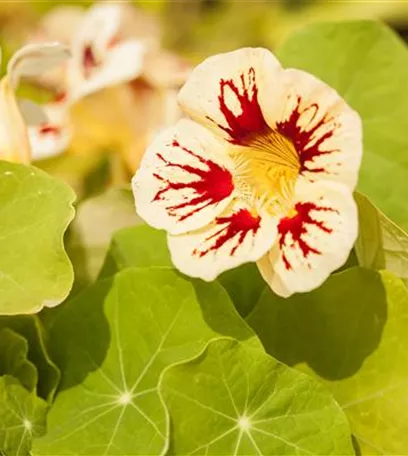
[(267, 169)]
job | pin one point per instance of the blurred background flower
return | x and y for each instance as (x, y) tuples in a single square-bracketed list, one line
[(101, 113)]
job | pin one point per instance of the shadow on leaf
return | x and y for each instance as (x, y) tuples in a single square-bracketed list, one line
[(333, 328), (81, 319)]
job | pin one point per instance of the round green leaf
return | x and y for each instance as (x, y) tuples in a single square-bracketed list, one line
[(369, 68), (352, 333), (13, 359), (22, 417), (30, 328), (112, 350), (236, 400), (35, 212)]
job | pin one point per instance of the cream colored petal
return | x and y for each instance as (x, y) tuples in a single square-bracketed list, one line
[(14, 144), (238, 235), (34, 59), (224, 92), (52, 136), (185, 179), (325, 130), (165, 70), (121, 64), (314, 241)]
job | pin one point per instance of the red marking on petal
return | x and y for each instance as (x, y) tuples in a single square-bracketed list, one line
[(60, 97), (305, 142), (49, 129), (89, 61), (212, 186), (250, 120), (114, 41), (297, 227), (239, 224)]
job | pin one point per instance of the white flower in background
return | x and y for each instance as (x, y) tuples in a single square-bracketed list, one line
[(264, 172), (101, 56), (27, 62), (113, 45)]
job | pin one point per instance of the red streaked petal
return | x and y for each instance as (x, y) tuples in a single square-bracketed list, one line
[(52, 137), (237, 236), (223, 92), (314, 240), (325, 131), (185, 179)]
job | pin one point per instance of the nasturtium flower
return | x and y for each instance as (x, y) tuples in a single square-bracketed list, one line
[(16, 115), (262, 171), (114, 92)]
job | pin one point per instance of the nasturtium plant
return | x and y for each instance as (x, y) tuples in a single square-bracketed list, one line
[(350, 333), (264, 311), (22, 417), (369, 68), (381, 244), (234, 399), (13, 359), (136, 246), (112, 350), (35, 212), (30, 329)]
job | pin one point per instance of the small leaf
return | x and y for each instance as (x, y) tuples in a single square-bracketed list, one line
[(381, 244), (111, 343), (13, 359), (30, 328), (35, 212), (234, 399), (370, 70), (22, 417), (138, 246), (369, 245)]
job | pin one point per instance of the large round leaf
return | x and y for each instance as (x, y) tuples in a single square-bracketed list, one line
[(352, 333), (35, 271), (112, 343), (236, 400), (368, 65)]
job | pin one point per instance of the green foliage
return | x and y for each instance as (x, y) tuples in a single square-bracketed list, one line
[(351, 333), (235, 399), (36, 209), (22, 417), (29, 327), (141, 359), (369, 69), (112, 343), (97, 219), (381, 244)]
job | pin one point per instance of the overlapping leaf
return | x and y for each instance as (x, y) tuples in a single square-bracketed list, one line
[(236, 400), (13, 359), (112, 343), (35, 212), (352, 333), (22, 417), (381, 244), (29, 328)]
